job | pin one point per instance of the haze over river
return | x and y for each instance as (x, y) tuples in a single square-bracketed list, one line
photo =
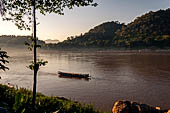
[(141, 77)]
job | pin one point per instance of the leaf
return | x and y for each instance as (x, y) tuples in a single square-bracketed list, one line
[(17, 10), (3, 61), (23, 110)]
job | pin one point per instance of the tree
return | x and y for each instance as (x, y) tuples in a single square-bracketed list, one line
[(20, 12)]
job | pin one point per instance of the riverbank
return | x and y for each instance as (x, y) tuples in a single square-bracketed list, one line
[(85, 50), (134, 107), (13, 100), (109, 50), (16, 100)]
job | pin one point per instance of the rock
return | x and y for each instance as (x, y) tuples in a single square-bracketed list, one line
[(168, 111), (158, 108), (133, 107), (122, 107), (3, 110)]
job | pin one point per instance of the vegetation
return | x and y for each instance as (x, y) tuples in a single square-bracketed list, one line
[(149, 30), (20, 101), (3, 60)]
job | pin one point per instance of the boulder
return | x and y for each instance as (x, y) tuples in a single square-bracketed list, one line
[(134, 107)]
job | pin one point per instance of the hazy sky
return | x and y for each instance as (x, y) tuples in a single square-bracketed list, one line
[(80, 20)]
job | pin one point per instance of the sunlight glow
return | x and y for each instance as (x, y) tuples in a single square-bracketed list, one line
[(80, 20)]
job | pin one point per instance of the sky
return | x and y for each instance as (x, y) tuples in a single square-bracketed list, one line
[(82, 19)]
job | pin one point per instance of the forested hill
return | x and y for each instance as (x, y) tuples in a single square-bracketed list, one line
[(98, 36), (150, 30)]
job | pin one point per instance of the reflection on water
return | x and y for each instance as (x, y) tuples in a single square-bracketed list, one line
[(142, 77)]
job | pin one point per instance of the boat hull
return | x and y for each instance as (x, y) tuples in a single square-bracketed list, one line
[(73, 75)]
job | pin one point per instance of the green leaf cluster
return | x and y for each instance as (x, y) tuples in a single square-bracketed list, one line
[(39, 63), (3, 60), (20, 11)]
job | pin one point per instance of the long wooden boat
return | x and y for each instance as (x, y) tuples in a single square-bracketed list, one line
[(73, 75)]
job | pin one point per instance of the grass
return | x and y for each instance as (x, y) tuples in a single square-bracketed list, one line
[(20, 101)]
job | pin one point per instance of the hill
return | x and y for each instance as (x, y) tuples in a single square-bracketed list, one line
[(148, 30), (151, 29), (99, 36)]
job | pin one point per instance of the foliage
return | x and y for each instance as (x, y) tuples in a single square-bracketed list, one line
[(3, 61), (20, 11), (151, 29), (39, 63), (19, 101), (30, 44)]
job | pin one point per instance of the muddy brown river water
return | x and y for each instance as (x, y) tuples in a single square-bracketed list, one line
[(137, 76)]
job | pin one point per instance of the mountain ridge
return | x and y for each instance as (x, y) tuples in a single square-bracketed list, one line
[(148, 30)]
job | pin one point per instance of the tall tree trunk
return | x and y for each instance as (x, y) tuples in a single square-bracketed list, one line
[(35, 55)]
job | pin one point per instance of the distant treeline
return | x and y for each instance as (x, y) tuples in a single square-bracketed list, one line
[(15, 41), (148, 31)]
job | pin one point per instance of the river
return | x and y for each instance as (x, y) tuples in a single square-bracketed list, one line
[(138, 76)]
